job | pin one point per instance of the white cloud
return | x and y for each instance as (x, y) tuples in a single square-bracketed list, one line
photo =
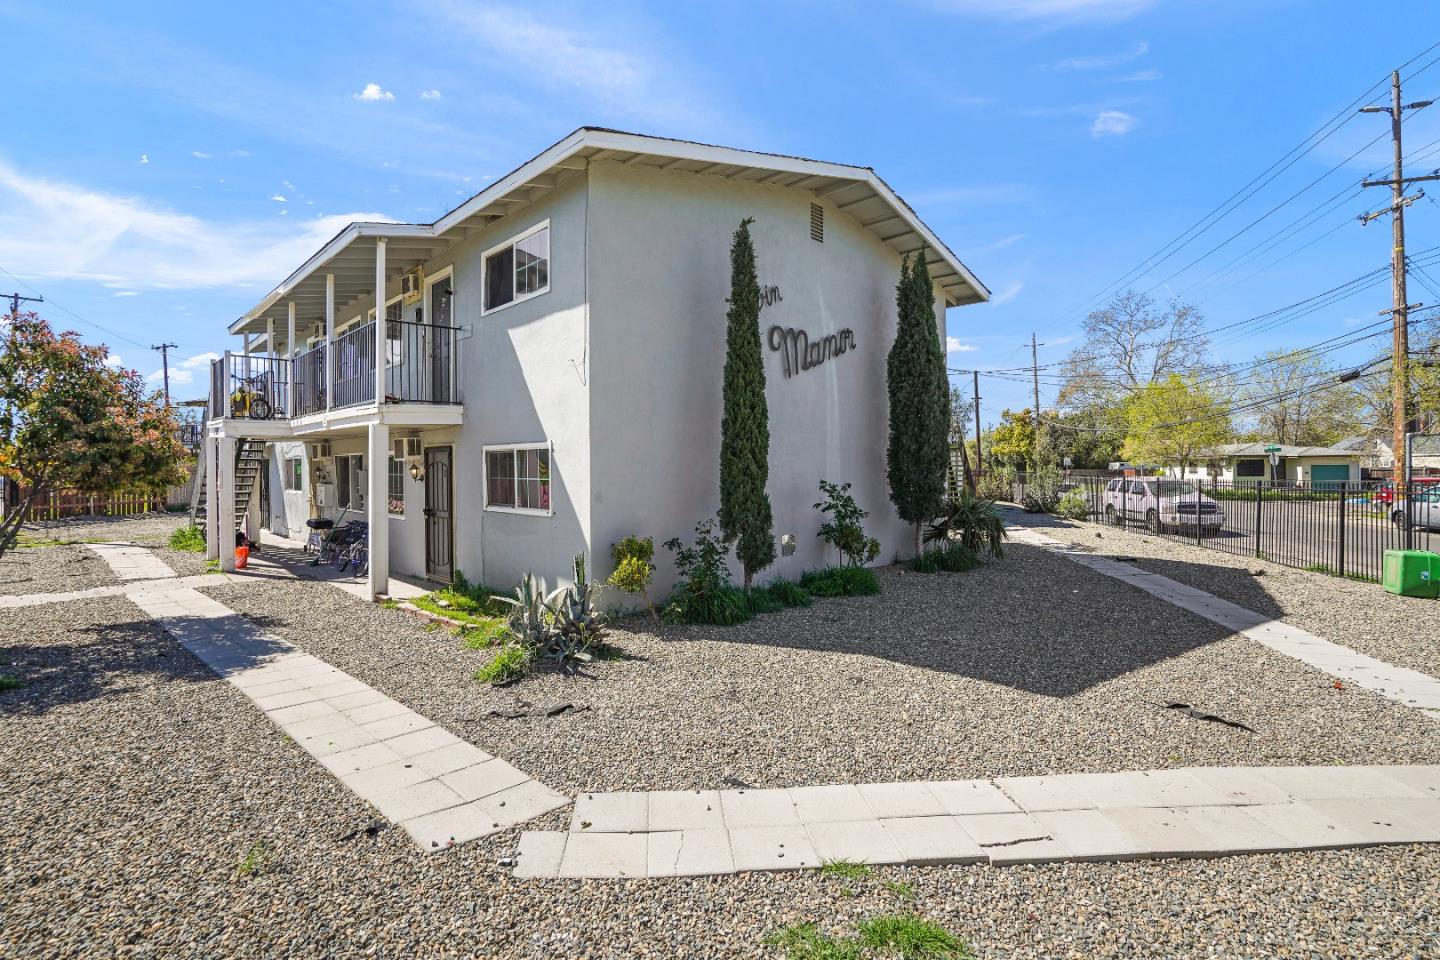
[(1102, 62), (287, 185), (199, 155), (56, 230), (1009, 293), (144, 158), (953, 345), (279, 199), (429, 94), (1140, 76), (242, 154), (615, 73), (373, 93), (1000, 244), (113, 360), (1113, 123), (126, 293), (1054, 10), (183, 372)]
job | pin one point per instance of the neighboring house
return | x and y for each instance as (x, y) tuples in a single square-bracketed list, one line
[(1250, 462), (1424, 451), (553, 352)]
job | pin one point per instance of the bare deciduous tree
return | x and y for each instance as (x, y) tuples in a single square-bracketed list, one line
[(1130, 343)]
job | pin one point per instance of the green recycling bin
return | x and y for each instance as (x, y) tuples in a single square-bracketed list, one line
[(1412, 573)]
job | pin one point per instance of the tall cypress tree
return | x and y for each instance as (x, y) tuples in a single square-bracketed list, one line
[(915, 459), (745, 427)]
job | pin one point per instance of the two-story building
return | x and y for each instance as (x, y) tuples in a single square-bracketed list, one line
[(538, 373)]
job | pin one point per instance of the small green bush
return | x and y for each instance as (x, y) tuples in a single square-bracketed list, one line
[(1073, 505), (705, 594), (787, 593), (189, 538), (759, 601), (496, 633), (718, 606), (842, 529), (509, 664), (841, 582), (8, 682), (911, 937), (952, 557), (804, 941), (1042, 490)]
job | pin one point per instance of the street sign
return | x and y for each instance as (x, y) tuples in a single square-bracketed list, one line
[(1272, 448)]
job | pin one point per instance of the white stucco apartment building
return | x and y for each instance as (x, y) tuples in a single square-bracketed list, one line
[(553, 351)]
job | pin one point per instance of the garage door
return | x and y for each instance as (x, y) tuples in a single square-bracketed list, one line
[(1329, 474)]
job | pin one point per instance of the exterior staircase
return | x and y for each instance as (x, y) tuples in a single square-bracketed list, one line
[(249, 461)]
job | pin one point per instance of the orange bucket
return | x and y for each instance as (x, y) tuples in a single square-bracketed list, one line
[(242, 557)]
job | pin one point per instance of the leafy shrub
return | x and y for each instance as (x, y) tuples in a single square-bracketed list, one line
[(787, 593), (761, 601), (1042, 490), (997, 483), (634, 567), (841, 582), (189, 538), (495, 633), (8, 682), (842, 529), (1073, 505), (951, 557), (705, 594), (974, 521), (511, 663)]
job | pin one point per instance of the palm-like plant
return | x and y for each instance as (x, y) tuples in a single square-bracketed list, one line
[(975, 521)]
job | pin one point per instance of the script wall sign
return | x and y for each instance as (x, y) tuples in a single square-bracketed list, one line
[(800, 353)]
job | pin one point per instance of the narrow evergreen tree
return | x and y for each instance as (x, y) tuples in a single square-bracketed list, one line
[(745, 427), (915, 460)]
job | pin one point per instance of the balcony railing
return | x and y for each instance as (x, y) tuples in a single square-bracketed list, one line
[(420, 367), (250, 386)]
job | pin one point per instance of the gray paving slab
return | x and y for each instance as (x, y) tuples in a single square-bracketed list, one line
[(415, 800), (773, 848), (539, 853), (959, 797), (859, 841), (902, 800), (383, 778), (1044, 793), (1240, 785), (1165, 832), (447, 759), (359, 758), (678, 810), (522, 802), (932, 840), (605, 855), (610, 813), (1336, 783), (689, 853), (483, 779), (830, 803), (1304, 827), (1012, 838), (758, 808), (416, 740), (1089, 835), (1385, 821)]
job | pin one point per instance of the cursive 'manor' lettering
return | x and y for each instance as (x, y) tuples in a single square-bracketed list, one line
[(801, 354)]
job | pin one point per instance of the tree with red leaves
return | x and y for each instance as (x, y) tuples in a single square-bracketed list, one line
[(68, 419)]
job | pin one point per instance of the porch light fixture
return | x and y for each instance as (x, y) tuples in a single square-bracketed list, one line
[(417, 472)]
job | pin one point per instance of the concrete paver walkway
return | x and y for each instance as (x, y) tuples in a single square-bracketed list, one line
[(1410, 687), (441, 789), (1194, 812), (131, 562)]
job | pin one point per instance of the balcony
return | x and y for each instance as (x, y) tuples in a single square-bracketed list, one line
[(420, 361)]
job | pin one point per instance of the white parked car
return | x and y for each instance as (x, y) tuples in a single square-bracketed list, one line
[(1424, 512), (1160, 503)]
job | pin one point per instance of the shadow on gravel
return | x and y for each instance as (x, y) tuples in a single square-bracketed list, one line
[(1035, 622), (113, 659)]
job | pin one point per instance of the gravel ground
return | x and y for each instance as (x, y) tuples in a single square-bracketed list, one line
[(51, 569), (1399, 630), (151, 529), (185, 563), (1033, 666), (134, 783)]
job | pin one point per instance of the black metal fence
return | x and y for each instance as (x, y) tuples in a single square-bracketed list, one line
[(310, 381), (419, 363), (250, 386), (1336, 527)]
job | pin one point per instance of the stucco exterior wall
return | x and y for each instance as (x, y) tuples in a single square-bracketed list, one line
[(659, 278)]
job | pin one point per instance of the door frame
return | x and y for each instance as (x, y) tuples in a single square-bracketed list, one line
[(449, 449)]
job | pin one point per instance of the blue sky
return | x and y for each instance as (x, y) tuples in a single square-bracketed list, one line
[(162, 165)]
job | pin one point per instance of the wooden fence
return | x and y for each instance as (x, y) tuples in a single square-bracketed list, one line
[(73, 503)]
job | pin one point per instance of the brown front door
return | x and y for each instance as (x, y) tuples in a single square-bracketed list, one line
[(439, 544)]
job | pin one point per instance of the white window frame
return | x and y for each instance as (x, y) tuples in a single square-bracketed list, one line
[(404, 500), (514, 448), (292, 465), (446, 273), (485, 269)]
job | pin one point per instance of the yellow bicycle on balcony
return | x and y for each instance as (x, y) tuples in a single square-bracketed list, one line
[(248, 400)]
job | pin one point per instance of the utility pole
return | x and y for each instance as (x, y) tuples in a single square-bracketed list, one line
[(978, 458), (165, 349), (15, 299), (1400, 309), (1035, 379)]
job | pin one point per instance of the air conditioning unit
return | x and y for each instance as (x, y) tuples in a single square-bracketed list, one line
[(412, 285), (319, 449), (405, 448)]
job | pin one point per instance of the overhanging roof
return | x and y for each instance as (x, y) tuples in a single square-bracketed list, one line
[(858, 191)]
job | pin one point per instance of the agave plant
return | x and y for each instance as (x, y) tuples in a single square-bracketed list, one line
[(576, 624), (974, 520), (528, 614)]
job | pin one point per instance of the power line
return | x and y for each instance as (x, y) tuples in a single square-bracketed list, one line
[(63, 309)]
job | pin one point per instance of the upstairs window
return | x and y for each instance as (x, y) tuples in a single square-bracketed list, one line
[(518, 269)]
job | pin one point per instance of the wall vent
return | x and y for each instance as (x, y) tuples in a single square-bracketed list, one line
[(817, 222)]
